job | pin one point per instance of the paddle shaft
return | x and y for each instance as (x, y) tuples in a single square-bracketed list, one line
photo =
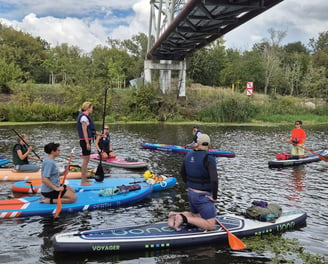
[(26, 144), (59, 202), (309, 150)]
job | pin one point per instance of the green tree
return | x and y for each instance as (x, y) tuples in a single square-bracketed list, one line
[(271, 55), (205, 65), (9, 72), (26, 52)]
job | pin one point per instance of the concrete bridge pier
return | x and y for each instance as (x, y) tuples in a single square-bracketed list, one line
[(165, 67)]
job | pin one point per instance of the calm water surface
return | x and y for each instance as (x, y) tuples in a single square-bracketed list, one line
[(242, 180)]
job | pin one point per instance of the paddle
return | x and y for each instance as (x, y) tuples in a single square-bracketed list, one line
[(99, 175), (26, 144), (309, 150), (59, 201), (234, 242)]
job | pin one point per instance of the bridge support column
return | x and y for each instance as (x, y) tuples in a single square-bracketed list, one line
[(147, 71), (182, 79), (165, 76), (165, 67)]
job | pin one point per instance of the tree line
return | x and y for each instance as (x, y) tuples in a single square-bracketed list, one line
[(293, 69)]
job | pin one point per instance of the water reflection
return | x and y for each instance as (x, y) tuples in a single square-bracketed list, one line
[(242, 180)]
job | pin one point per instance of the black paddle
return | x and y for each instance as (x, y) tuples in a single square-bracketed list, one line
[(26, 144), (99, 175)]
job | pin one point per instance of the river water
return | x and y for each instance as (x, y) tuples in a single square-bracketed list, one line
[(242, 179)]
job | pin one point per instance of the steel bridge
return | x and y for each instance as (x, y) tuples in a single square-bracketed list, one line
[(177, 28)]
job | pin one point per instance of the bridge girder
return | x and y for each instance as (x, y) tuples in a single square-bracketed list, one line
[(179, 27)]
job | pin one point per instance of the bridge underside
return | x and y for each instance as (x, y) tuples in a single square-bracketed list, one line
[(201, 22)]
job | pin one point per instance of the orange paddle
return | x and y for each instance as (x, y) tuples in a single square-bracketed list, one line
[(59, 202), (234, 242), (313, 152)]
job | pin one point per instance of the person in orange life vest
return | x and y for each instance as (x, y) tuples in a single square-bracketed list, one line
[(104, 145), (298, 137), (86, 131)]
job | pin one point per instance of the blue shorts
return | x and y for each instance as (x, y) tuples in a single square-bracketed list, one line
[(200, 204)]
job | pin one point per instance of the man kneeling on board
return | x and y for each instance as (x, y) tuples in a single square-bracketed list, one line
[(199, 173)]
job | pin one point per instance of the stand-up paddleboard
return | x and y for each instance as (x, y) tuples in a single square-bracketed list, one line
[(34, 186), (4, 161), (295, 162), (183, 150), (8, 174), (128, 163), (159, 236), (92, 200)]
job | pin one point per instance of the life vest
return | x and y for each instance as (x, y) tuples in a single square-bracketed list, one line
[(91, 127), (104, 143), (16, 159), (197, 175)]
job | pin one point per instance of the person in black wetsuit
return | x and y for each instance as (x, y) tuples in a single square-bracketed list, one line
[(200, 175)]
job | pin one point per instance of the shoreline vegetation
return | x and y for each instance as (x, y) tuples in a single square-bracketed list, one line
[(34, 103)]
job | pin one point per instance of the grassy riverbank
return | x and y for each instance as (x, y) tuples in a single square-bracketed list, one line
[(35, 103)]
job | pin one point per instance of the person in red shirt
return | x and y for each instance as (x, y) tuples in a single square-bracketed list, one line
[(298, 138)]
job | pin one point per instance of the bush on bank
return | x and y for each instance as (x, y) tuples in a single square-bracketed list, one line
[(203, 104)]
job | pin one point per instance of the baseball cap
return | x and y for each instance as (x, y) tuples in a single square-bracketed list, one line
[(203, 140)]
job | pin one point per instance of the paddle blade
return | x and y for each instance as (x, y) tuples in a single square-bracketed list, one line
[(59, 206), (235, 243), (99, 175)]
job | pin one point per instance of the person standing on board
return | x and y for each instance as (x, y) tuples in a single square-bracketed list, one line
[(199, 173), (86, 131), (103, 144), (21, 156), (51, 186), (196, 132), (298, 137)]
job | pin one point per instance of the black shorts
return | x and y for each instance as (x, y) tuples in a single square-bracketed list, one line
[(85, 151), (54, 194)]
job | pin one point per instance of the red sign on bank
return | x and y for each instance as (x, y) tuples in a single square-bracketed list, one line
[(249, 88)]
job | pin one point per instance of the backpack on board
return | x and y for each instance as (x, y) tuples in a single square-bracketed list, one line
[(283, 156), (262, 211)]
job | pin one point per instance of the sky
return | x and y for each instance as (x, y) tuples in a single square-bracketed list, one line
[(88, 23)]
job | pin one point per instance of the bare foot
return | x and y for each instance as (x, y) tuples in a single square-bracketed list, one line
[(45, 200), (171, 220), (86, 183), (178, 220)]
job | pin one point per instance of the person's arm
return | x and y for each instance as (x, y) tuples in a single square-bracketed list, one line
[(97, 143), (47, 182), (85, 134), (25, 155), (183, 173), (213, 177)]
